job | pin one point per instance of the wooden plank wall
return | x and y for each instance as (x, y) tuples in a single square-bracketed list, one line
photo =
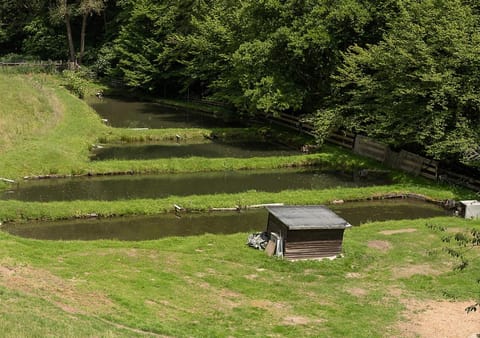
[(312, 249), (342, 138), (372, 149), (459, 179)]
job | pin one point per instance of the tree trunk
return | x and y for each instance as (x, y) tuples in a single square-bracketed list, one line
[(71, 47), (82, 38)]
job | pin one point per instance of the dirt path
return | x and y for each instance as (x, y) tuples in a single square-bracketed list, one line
[(439, 319)]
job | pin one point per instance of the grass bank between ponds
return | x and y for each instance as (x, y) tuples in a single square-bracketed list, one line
[(12, 210), (215, 286), (326, 160), (124, 135), (329, 158)]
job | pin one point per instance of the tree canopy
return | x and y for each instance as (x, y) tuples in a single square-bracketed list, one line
[(403, 71), (418, 86)]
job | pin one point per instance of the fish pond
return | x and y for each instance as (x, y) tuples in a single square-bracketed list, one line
[(136, 114), (190, 224), (216, 149), (124, 187)]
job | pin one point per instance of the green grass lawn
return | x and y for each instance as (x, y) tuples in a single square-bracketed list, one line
[(216, 286), (210, 285)]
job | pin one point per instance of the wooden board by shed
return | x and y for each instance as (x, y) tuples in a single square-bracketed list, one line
[(308, 232)]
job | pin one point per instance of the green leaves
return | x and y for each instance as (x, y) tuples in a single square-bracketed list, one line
[(412, 88)]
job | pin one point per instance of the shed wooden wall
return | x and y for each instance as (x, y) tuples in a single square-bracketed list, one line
[(304, 244), (301, 244)]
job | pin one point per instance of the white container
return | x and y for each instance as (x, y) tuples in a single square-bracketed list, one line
[(471, 209)]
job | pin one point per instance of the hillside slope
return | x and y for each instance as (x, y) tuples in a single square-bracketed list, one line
[(43, 128)]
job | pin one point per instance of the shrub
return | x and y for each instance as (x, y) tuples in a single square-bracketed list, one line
[(75, 83)]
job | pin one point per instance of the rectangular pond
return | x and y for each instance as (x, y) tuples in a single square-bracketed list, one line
[(160, 186), (216, 149), (135, 114), (166, 225)]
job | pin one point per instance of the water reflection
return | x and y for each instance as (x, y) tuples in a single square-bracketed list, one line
[(155, 227), (208, 150), (142, 227), (160, 186), (134, 114)]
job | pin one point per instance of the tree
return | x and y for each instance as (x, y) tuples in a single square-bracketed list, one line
[(65, 11), (43, 40), (419, 86), (14, 16), (86, 9)]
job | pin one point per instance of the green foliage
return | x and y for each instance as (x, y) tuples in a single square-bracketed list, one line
[(459, 246), (43, 41), (103, 64), (75, 83), (417, 86), (267, 56)]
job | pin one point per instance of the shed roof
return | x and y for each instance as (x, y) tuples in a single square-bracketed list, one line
[(308, 217)]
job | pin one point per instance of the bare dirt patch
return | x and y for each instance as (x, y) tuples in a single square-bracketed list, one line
[(399, 231), (379, 245), (251, 277), (63, 293), (266, 304), (444, 319), (453, 229), (299, 320), (353, 275), (419, 269), (357, 292)]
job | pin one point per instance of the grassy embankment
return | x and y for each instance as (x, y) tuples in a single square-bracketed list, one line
[(214, 286), (49, 131), (204, 286)]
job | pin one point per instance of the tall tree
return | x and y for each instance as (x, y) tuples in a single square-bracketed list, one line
[(66, 11), (419, 86), (63, 11), (86, 9)]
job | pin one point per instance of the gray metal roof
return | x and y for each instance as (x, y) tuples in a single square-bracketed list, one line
[(308, 217)]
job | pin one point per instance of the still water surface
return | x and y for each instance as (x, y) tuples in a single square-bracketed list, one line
[(166, 225), (209, 150), (135, 114), (159, 186)]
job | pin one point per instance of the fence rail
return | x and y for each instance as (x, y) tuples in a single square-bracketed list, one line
[(403, 160), (43, 64)]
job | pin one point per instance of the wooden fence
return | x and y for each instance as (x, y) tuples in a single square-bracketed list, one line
[(342, 138), (448, 176), (339, 137), (36, 64), (369, 148), (365, 146)]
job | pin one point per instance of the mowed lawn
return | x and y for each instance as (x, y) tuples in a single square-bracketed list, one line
[(212, 285), (215, 286)]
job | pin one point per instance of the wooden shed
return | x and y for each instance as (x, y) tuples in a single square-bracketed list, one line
[(306, 232)]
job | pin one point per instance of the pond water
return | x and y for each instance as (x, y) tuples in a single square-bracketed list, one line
[(208, 150), (134, 114), (160, 186), (166, 225)]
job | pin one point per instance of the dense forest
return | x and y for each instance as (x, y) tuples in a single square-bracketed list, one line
[(406, 72)]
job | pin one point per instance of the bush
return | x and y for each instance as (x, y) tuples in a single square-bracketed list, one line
[(75, 83)]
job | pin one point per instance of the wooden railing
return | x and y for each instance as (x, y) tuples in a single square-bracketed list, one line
[(40, 64)]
